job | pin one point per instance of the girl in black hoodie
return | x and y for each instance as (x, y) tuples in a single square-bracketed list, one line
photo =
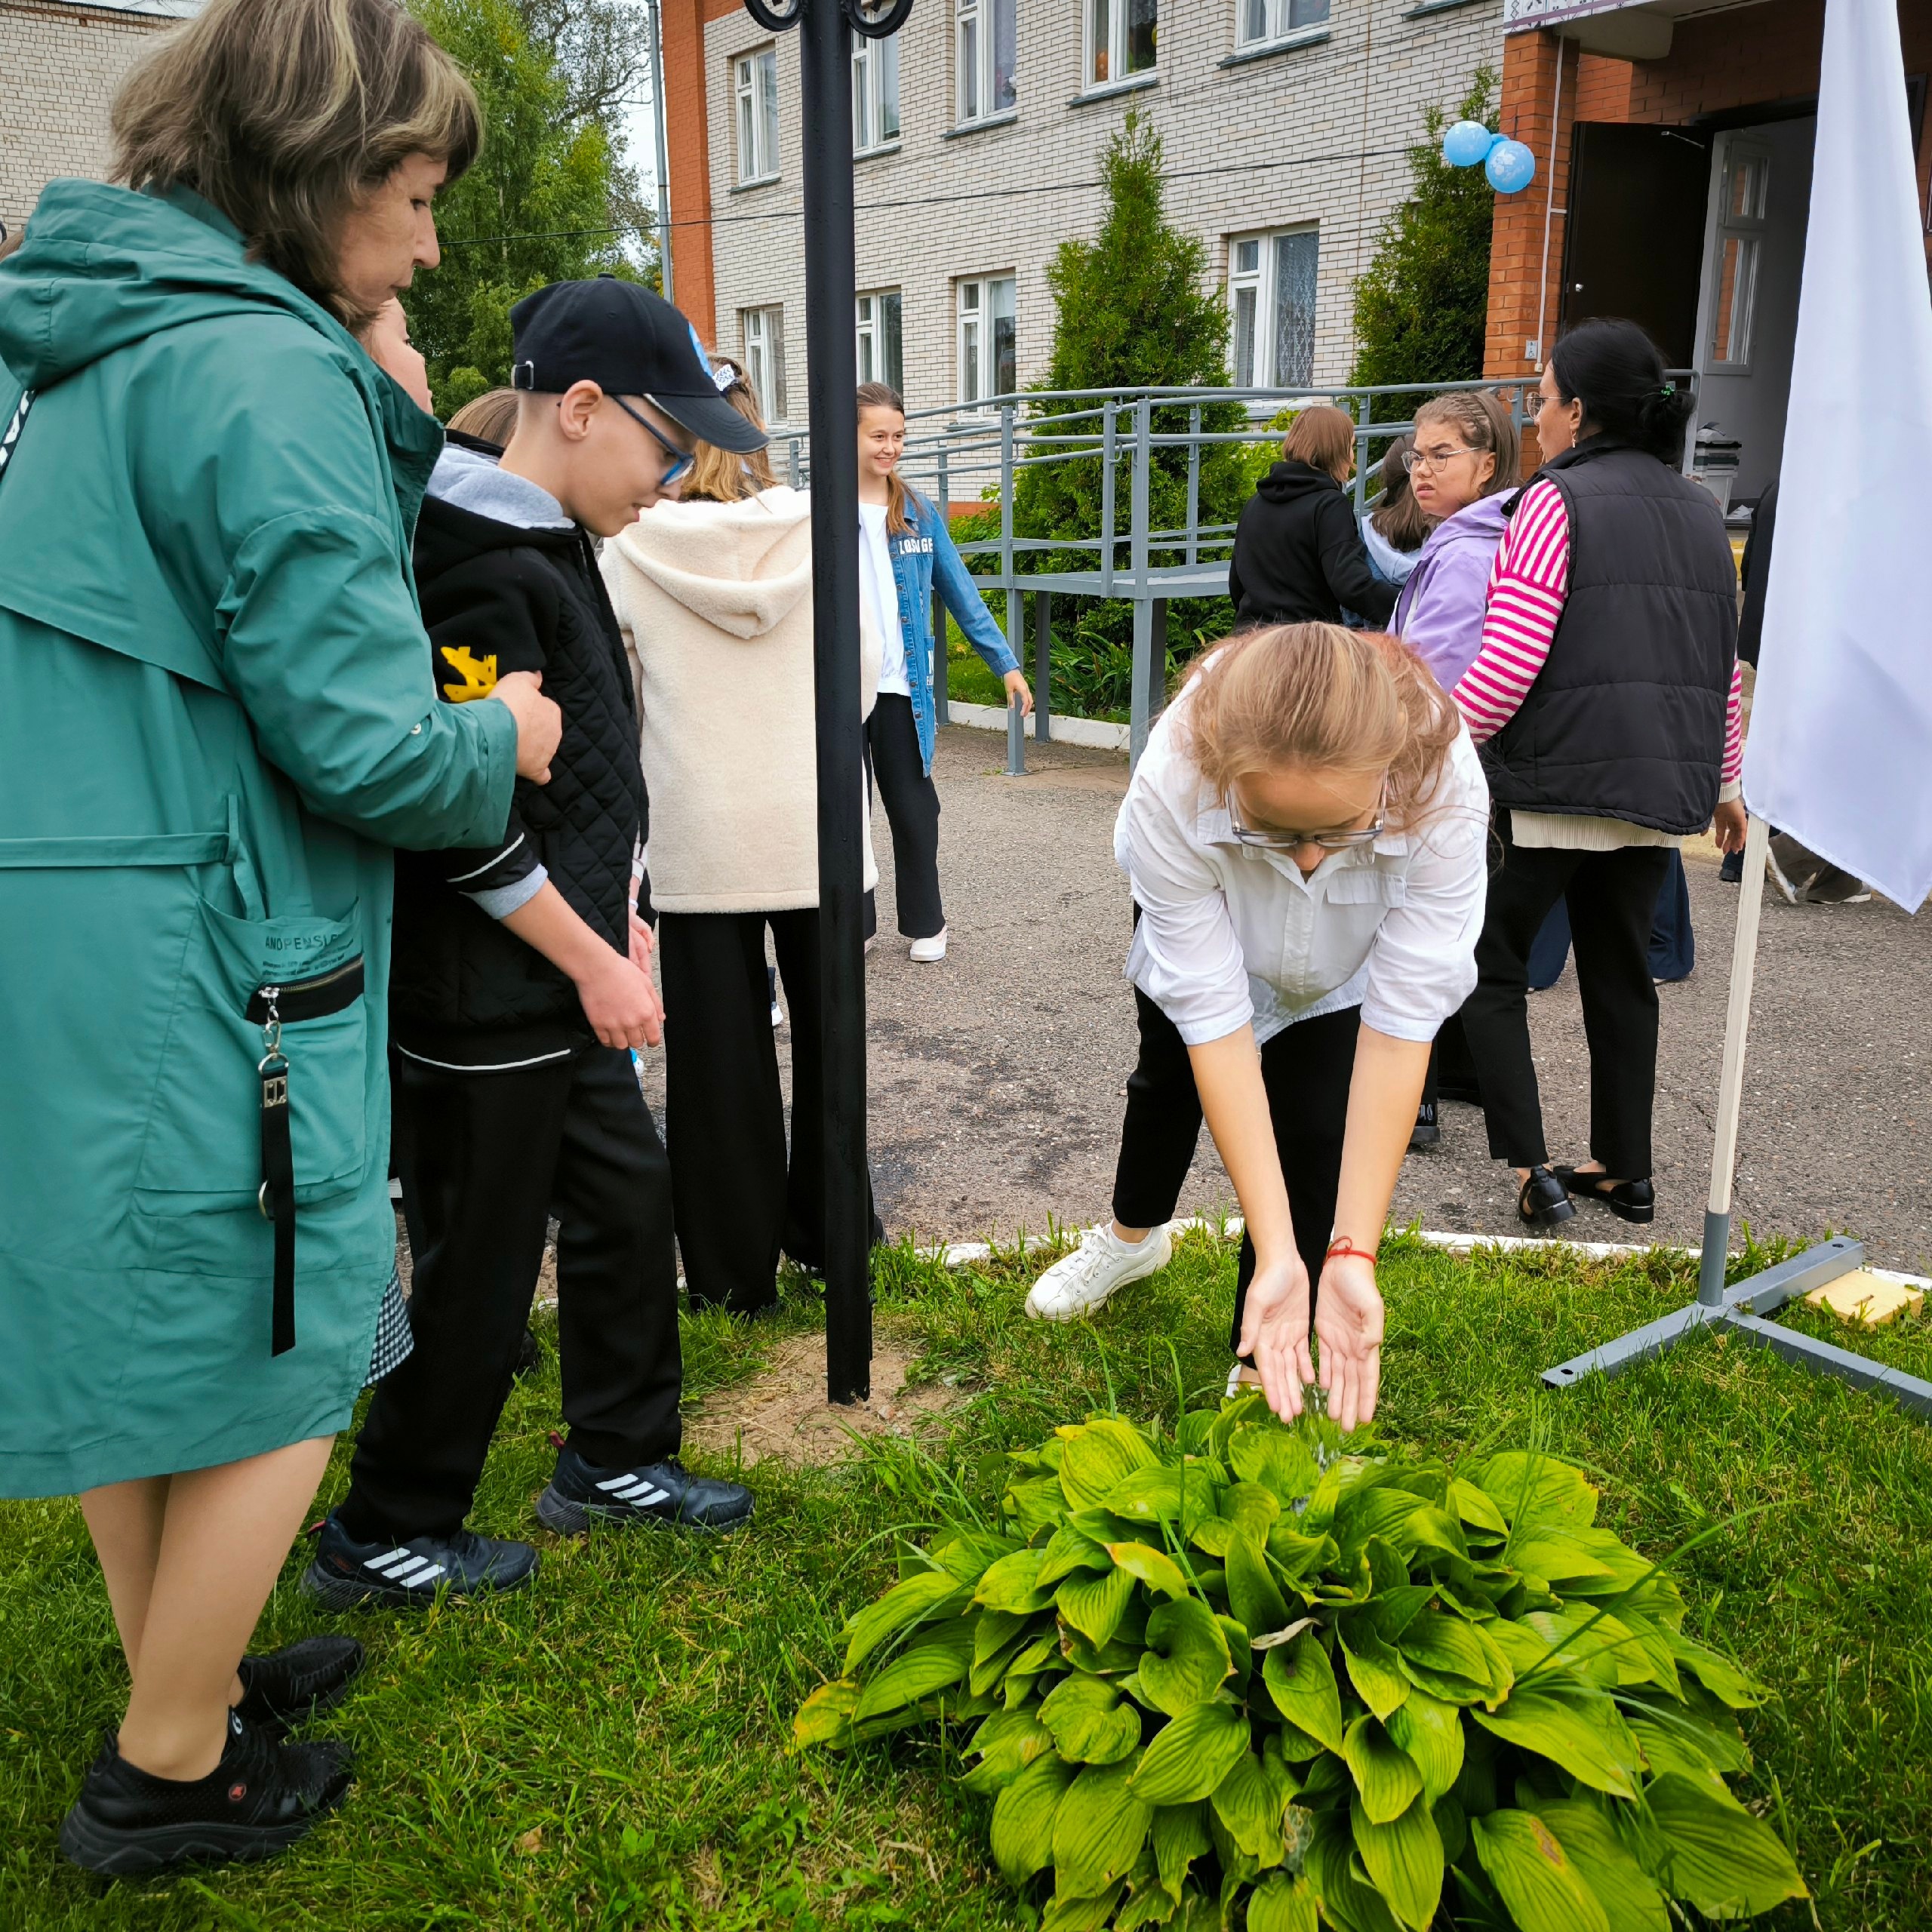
[(1299, 556)]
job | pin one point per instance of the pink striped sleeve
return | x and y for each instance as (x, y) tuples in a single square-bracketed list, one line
[(1733, 727), (1527, 589)]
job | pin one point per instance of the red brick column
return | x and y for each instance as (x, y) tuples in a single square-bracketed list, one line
[(687, 137)]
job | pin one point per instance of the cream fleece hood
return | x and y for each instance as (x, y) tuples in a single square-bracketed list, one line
[(743, 568)]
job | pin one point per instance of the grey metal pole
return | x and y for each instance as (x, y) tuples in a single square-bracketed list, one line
[(1043, 665), (942, 709), (832, 352), (1107, 500), (1016, 735), (656, 23), (1142, 707), (1194, 484)]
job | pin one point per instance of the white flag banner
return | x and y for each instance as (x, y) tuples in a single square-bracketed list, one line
[(1840, 753)]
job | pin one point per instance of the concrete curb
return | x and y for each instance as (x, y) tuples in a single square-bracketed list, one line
[(1096, 733)]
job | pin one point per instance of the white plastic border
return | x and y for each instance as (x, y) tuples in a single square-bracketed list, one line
[(1096, 733)]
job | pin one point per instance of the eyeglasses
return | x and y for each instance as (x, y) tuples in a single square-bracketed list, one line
[(1279, 839), (680, 459), (1414, 460)]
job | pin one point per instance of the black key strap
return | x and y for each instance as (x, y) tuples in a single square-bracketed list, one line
[(278, 1196)]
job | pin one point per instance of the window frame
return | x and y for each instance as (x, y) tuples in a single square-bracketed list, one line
[(1260, 280), (976, 74), (874, 64), (1281, 29), (754, 116), (1117, 53), (761, 342), (1734, 321), (878, 320), (981, 317)]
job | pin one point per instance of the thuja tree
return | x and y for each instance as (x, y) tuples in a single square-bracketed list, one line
[(550, 199), (1133, 309), (1423, 308)]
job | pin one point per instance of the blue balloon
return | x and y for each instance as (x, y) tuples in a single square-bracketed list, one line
[(1467, 143), (1510, 168)]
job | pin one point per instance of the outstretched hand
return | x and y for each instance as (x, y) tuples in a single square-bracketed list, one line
[(1348, 1328), (1274, 1331)]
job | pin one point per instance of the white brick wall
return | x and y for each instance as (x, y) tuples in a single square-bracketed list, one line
[(1319, 107)]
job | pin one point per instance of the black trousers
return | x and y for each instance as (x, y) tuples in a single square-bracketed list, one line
[(1307, 1069), (485, 1159), (911, 809), (1612, 898), (740, 1200)]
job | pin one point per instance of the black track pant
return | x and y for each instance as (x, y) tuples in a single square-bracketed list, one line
[(1307, 1069), (740, 1199), (485, 1159), (911, 809), (1612, 897)]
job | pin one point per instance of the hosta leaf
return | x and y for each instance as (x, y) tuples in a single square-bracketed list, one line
[(1386, 1777), (1150, 1905), (1591, 1743), (1068, 1551), (1278, 1460), (1476, 1510), (1036, 1504), (1376, 1511), (1529, 1487), (1005, 1744), (1270, 1640), (1098, 1830), (1628, 1569), (967, 1555), (1094, 1457), (1430, 1528), (1249, 1805), (1166, 1495), (1727, 1862), (1446, 1645), (1012, 1585), (826, 1717), (1256, 1603), (1251, 1507), (1186, 1660), (1715, 1672), (1404, 1860), (1094, 1605), (1192, 1755), (1089, 1723), (1023, 1824), (1373, 1667), (1431, 1732), (1241, 1652), (1543, 1889), (1179, 1837), (1521, 1643), (1630, 1901), (1297, 1555), (1154, 1567), (989, 1671), (928, 1593), (1281, 1904), (1301, 1681), (1673, 1739), (1075, 1912), (930, 1662), (1346, 1901), (1559, 1559), (993, 1630), (1213, 1536)]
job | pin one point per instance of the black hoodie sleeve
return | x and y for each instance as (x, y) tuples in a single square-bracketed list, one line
[(498, 614), (1345, 561)]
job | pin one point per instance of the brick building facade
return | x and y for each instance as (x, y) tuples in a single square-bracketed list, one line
[(1294, 143), (63, 62)]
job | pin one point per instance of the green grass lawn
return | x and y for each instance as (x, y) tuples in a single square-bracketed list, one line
[(611, 1747)]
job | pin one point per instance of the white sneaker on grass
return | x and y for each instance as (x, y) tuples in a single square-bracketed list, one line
[(930, 951), (1080, 1282)]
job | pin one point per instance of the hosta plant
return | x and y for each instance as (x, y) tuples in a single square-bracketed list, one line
[(1212, 1682)]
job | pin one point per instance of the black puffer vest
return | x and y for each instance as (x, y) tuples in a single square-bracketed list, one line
[(1626, 719)]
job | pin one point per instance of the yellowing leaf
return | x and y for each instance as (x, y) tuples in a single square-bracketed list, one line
[(1098, 1830), (1023, 1824), (1530, 1486), (1089, 1723), (1191, 1756), (1011, 1585), (1630, 1901), (826, 1717), (928, 1593), (1154, 1567), (1186, 1660), (1094, 1605), (930, 1662), (1096, 1455), (1534, 1878)]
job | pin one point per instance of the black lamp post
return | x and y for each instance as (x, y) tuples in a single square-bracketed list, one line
[(831, 359)]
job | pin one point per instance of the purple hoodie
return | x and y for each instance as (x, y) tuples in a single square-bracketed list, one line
[(1441, 612)]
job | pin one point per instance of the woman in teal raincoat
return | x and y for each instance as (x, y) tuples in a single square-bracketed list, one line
[(216, 720)]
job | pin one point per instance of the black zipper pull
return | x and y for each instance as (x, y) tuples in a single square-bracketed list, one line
[(277, 1198)]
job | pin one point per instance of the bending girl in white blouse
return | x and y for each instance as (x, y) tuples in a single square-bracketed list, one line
[(1306, 837)]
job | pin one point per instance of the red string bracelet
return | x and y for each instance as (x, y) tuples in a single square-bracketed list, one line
[(1343, 1245)]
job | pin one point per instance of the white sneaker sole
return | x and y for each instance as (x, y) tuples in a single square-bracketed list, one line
[(1160, 1251), (928, 951)]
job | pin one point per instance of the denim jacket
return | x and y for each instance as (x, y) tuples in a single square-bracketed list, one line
[(924, 555)]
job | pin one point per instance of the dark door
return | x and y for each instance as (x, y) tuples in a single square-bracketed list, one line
[(1634, 244)]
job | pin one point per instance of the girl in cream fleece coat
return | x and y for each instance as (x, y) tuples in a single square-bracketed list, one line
[(715, 600)]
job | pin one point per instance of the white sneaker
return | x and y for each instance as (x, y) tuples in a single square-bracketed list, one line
[(930, 951), (1080, 1282)]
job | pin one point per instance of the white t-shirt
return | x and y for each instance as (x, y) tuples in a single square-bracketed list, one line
[(879, 589)]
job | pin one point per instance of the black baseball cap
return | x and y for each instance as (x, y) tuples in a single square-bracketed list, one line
[(629, 342)]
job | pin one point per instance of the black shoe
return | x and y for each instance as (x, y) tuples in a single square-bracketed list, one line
[(1427, 1131), (580, 1494), (1794, 868), (1732, 871), (289, 1686), (529, 1356), (257, 1801), (1544, 1200), (1834, 886), (412, 1574), (1629, 1200)]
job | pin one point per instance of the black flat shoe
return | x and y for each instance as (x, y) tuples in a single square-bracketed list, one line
[(289, 1686), (1544, 1200), (1629, 1200), (1428, 1129)]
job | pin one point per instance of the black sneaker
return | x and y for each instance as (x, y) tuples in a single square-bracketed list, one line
[(1834, 886), (1428, 1129), (411, 1574), (580, 1494), (257, 1801), (300, 1681), (529, 1356)]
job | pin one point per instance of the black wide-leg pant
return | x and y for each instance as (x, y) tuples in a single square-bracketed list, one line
[(485, 1159), (1612, 897), (911, 809), (1307, 1069)]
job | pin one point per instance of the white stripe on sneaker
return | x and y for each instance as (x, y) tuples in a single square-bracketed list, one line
[(428, 1576), (410, 1572), (655, 1496), (391, 1561), (619, 1482)]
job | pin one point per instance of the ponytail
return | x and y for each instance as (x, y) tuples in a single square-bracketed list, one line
[(1615, 370)]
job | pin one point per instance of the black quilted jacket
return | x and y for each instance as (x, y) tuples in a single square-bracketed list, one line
[(464, 991)]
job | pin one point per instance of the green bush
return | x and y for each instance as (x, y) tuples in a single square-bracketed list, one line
[(1211, 1675)]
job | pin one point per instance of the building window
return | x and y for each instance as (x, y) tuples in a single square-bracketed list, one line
[(984, 46), (1747, 181), (1121, 36), (1258, 22), (874, 93), (763, 333), (757, 80), (987, 365), (881, 358), (1271, 292)]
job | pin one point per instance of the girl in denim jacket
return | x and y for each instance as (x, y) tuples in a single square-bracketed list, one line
[(905, 551)]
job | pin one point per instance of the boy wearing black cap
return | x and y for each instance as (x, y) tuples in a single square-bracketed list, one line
[(522, 981)]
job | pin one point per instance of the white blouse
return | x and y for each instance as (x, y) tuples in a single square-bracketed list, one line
[(1228, 933), (879, 586)]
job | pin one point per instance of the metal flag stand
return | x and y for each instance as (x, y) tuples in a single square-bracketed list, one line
[(831, 355), (1739, 1310)]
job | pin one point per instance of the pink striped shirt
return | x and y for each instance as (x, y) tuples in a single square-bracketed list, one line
[(1527, 587)]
